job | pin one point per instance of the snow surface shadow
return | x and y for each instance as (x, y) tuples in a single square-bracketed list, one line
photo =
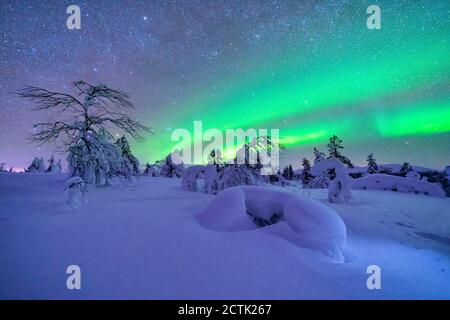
[(434, 237)]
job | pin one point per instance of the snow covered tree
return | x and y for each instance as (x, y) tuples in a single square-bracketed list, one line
[(406, 167), (250, 153), (318, 156), (339, 187), (82, 123), (36, 166), (288, 172), (215, 157), (54, 166), (11, 169), (306, 175), (373, 167), (334, 150), (124, 146), (2, 167), (171, 168)]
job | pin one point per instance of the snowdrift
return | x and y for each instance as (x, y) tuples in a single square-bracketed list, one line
[(311, 224), (395, 183)]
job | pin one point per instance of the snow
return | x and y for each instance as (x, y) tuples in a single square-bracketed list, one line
[(311, 224), (394, 167), (145, 240), (395, 183), (339, 187)]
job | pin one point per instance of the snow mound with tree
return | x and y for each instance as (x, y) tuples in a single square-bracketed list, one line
[(339, 187), (396, 183), (311, 223)]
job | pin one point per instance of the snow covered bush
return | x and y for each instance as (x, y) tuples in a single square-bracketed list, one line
[(76, 189), (54, 167), (339, 188), (172, 166), (413, 175), (36, 166), (396, 183), (216, 178), (311, 224), (153, 170)]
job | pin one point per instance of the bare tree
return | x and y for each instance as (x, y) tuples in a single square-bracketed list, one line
[(83, 124)]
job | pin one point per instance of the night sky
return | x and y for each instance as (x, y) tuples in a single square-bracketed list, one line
[(309, 68)]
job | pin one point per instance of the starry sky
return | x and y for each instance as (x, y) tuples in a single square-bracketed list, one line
[(308, 68)]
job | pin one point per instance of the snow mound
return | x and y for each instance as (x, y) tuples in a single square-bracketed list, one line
[(395, 183), (311, 223)]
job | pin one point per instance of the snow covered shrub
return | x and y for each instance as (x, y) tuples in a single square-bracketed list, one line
[(310, 223), (169, 168), (76, 189), (216, 178), (413, 175), (153, 170), (36, 166), (278, 179), (339, 188), (396, 183), (54, 167), (320, 180)]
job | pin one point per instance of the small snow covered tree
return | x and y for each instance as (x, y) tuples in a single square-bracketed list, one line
[(2, 167), (11, 169), (406, 167), (124, 146), (82, 124), (288, 172), (318, 156), (171, 168), (334, 150), (76, 189), (36, 166), (215, 157), (373, 167), (306, 175), (339, 188), (53, 166)]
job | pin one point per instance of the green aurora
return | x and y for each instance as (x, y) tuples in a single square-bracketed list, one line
[(363, 85)]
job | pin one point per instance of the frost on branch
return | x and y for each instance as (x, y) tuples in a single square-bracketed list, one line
[(83, 130)]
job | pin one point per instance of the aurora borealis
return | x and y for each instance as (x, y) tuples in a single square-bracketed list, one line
[(309, 68)]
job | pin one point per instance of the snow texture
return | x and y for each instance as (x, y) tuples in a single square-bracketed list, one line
[(144, 241), (396, 183), (311, 224)]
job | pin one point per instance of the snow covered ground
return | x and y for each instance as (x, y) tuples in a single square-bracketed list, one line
[(145, 240)]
